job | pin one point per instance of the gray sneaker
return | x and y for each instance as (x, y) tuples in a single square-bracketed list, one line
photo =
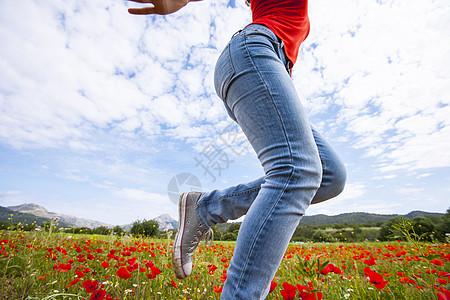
[(189, 234)]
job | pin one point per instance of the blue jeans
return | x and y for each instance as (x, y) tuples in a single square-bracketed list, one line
[(251, 78)]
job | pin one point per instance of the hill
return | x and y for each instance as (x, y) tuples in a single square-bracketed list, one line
[(29, 212), (40, 212), (23, 218), (360, 218)]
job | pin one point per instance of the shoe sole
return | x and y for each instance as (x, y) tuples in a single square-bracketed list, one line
[(177, 261)]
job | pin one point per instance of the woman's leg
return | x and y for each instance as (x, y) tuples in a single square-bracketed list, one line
[(220, 206), (259, 93)]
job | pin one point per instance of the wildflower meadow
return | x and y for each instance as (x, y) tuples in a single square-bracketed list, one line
[(46, 265)]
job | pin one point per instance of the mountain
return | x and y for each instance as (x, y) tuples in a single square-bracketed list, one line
[(10, 216), (30, 212), (360, 218), (39, 211), (166, 222)]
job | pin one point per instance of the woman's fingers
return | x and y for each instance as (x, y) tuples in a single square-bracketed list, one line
[(142, 1), (142, 11)]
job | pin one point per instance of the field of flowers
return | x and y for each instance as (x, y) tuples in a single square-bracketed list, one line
[(39, 265)]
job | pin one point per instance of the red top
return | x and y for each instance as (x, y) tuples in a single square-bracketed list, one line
[(288, 19)]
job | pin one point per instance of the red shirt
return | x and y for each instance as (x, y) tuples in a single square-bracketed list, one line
[(288, 19)]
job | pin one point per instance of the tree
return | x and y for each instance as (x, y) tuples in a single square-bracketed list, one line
[(321, 236), (101, 230), (145, 228), (234, 227), (303, 233), (423, 227), (443, 227), (229, 237), (118, 230), (385, 231)]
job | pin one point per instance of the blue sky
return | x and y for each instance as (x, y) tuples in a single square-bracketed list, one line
[(101, 110)]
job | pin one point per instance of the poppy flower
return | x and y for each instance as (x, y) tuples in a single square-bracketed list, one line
[(75, 281), (331, 268), (370, 262), (436, 262), (212, 269), (218, 289), (98, 295), (375, 278), (123, 273), (174, 284), (307, 292), (80, 274), (273, 285), (90, 286), (223, 278), (105, 264), (288, 292), (443, 295)]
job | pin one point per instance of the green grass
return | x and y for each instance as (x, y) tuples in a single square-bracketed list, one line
[(38, 265)]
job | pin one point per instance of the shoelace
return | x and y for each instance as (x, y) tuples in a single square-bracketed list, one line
[(209, 235)]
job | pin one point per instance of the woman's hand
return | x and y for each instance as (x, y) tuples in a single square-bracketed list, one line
[(160, 7)]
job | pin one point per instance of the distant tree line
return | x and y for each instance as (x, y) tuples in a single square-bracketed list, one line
[(140, 228), (429, 228)]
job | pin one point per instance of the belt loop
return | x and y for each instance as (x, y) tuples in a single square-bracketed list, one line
[(236, 33)]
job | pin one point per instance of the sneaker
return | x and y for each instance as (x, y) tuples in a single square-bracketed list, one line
[(189, 235)]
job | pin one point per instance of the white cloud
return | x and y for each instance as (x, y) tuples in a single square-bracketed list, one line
[(110, 95), (387, 72)]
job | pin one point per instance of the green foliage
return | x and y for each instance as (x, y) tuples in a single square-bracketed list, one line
[(310, 268), (321, 236), (443, 227), (144, 228), (102, 230), (229, 237), (385, 231), (81, 230), (118, 230), (423, 227), (234, 227)]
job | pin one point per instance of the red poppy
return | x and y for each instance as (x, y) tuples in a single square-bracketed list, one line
[(218, 289), (375, 278), (436, 262), (80, 274), (90, 286), (123, 273), (331, 268), (443, 295), (370, 262), (174, 284), (288, 292), (73, 282), (105, 264), (98, 295), (308, 293), (212, 269), (273, 285), (154, 271)]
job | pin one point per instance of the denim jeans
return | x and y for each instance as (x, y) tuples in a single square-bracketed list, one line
[(252, 79)]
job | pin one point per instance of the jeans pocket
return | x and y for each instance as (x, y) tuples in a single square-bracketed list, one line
[(223, 73)]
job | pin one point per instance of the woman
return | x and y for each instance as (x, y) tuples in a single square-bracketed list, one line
[(252, 77)]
